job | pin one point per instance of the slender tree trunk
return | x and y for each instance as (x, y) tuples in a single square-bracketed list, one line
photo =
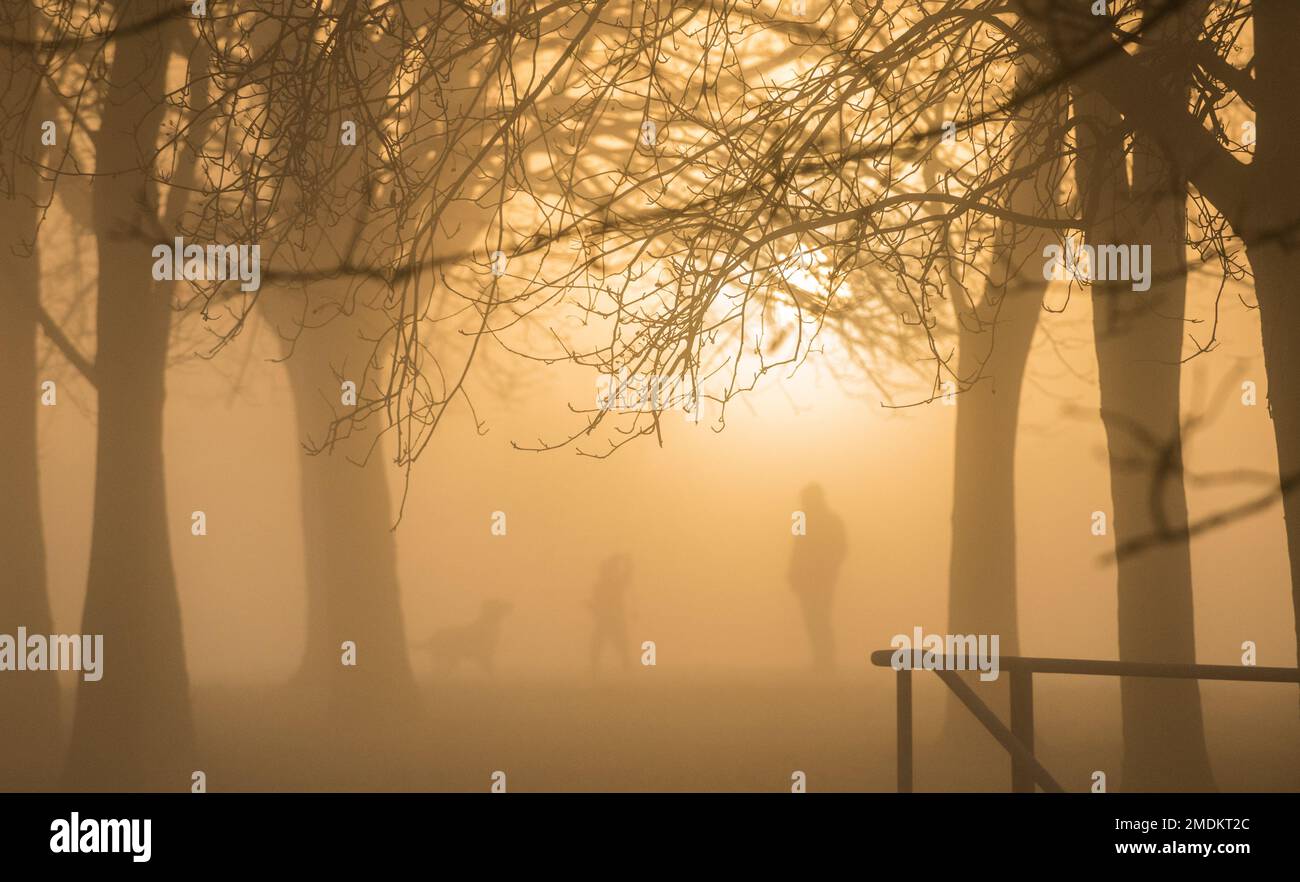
[(31, 732), (1273, 243), (133, 729)]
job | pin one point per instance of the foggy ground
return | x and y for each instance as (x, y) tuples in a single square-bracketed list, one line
[(711, 731)]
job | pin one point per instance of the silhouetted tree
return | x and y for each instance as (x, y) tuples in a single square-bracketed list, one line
[(132, 729), (30, 737)]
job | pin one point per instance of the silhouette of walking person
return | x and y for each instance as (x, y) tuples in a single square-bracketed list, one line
[(608, 607), (814, 567)]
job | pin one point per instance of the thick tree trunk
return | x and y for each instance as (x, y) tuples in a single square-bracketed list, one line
[(1273, 242), (133, 728), (353, 592), (994, 337), (992, 356), (1139, 340), (31, 732), (1277, 270), (982, 568)]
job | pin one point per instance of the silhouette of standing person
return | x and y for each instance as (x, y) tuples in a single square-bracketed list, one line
[(814, 567), (608, 606)]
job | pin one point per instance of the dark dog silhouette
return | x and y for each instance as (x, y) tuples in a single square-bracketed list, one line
[(476, 641)]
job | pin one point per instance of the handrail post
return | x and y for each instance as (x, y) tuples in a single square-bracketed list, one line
[(1027, 770), (1022, 726), (904, 731)]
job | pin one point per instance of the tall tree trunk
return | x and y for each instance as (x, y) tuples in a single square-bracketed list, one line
[(991, 358), (353, 592), (31, 732), (1273, 243), (1139, 346), (1277, 268), (994, 337), (133, 729), (1139, 340)]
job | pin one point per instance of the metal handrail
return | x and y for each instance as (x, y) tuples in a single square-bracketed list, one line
[(1018, 740)]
